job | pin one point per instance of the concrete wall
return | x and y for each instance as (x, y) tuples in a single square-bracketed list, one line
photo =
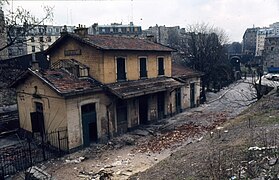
[(53, 105)]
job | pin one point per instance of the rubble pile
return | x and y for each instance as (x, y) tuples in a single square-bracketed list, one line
[(179, 135), (102, 175), (168, 139), (261, 163)]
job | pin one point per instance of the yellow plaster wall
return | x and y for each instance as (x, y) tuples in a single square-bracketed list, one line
[(102, 63), (185, 92), (74, 116), (90, 56), (53, 105), (132, 64)]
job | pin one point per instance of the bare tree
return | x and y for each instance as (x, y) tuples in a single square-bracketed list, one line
[(19, 22), (206, 53)]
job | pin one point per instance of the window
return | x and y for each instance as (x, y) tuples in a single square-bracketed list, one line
[(33, 48), (143, 68), (48, 39), (161, 70), (121, 69), (41, 39)]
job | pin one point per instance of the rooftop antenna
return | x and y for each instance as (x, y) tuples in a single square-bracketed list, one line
[(67, 15), (132, 9), (71, 18)]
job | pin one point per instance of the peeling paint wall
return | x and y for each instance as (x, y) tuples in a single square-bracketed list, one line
[(74, 117), (89, 56), (185, 92), (133, 112), (132, 64), (102, 64), (53, 105), (152, 110)]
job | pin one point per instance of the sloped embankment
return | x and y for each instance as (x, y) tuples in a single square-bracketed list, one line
[(241, 148)]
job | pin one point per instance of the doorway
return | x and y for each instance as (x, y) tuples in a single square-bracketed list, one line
[(143, 110), (192, 95), (89, 124), (37, 119), (121, 114), (178, 100), (161, 105)]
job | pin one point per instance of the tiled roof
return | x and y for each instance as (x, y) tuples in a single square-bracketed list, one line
[(129, 89), (63, 82), (66, 83), (108, 42), (184, 72)]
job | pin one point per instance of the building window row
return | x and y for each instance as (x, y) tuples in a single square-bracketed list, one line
[(121, 71)]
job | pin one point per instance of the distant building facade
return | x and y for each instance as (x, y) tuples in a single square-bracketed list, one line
[(166, 35), (262, 33), (41, 37), (271, 52), (249, 41), (37, 39), (275, 27), (115, 29)]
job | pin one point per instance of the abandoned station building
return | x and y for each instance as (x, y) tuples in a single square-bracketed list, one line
[(100, 86)]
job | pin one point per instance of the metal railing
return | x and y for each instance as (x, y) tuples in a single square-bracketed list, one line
[(26, 153)]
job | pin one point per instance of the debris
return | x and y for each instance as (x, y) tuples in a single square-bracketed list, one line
[(140, 132), (200, 138), (77, 161), (36, 173), (102, 174), (272, 161), (170, 138)]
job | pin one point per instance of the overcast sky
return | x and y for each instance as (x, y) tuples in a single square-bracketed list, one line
[(234, 16)]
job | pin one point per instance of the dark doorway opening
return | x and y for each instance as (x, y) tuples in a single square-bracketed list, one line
[(161, 105), (178, 100), (37, 119), (121, 113), (143, 110), (89, 124), (192, 95)]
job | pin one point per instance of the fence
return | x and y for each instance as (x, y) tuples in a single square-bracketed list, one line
[(27, 153), (9, 121)]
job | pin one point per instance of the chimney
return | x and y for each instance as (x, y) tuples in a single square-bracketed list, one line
[(151, 38), (64, 31), (34, 63), (81, 30)]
